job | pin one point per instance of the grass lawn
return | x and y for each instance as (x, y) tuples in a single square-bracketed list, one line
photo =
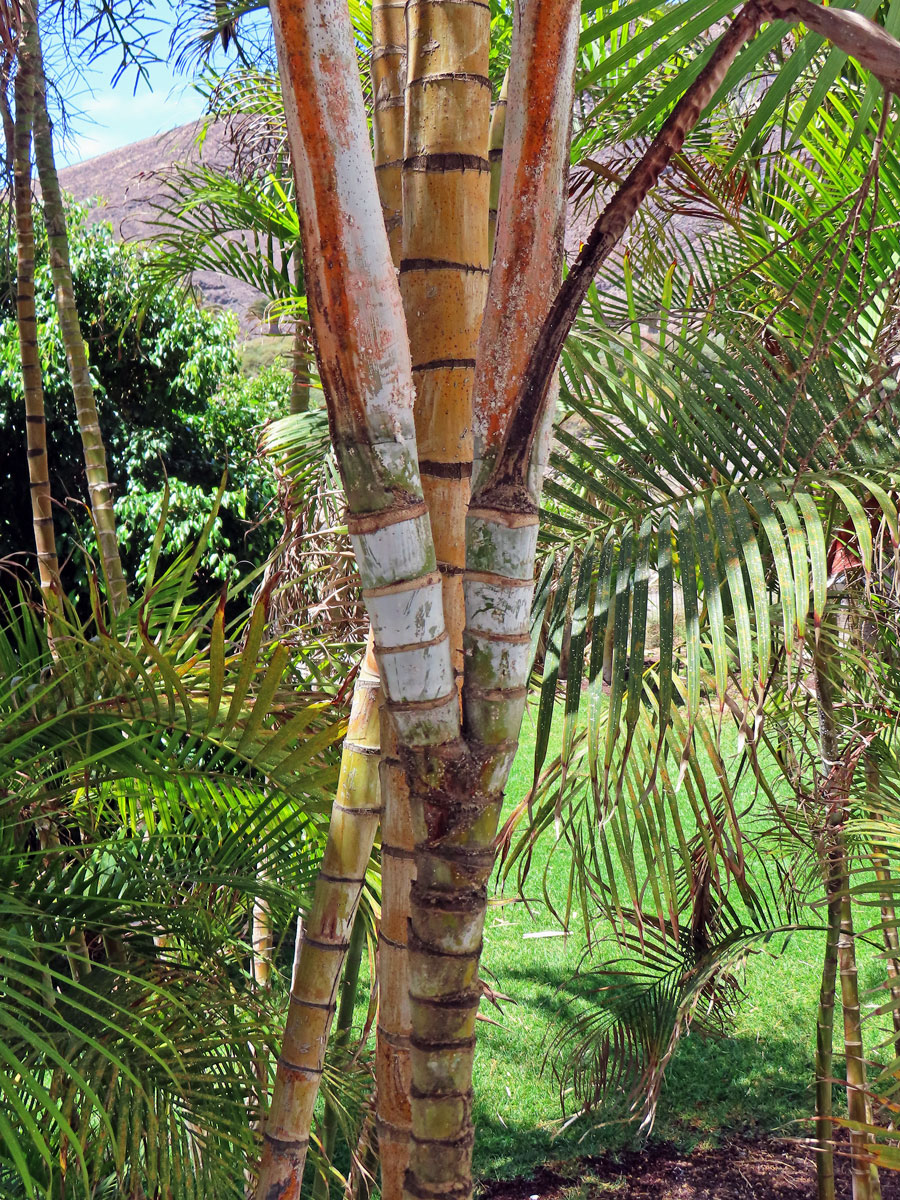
[(758, 1080)]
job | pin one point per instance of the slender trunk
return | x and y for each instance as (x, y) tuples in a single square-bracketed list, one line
[(825, 1044), (455, 781), (388, 75), (881, 864), (99, 489), (864, 1174), (343, 1025), (457, 803), (388, 70), (366, 371), (35, 424), (837, 776), (300, 380), (261, 947), (495, 154), (392, 1070), (891, 940), (325, 938), (393, 1115), (262, 942)]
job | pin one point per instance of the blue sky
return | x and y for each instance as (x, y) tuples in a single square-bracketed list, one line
[(103, 118)]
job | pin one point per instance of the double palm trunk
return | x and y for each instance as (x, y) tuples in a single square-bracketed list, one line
[(455, 783), (98, 484), (26, 90)]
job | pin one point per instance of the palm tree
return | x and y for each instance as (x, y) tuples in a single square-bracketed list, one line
[(142, 770), (54, 214), (758, 529), (25, 92), (455, 768)]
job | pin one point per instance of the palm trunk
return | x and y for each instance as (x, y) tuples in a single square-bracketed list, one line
[(825, 1044), (388, 86), (837, 777), (881, 865), (443, 282), (262, 942), (393, 1115), (455, 773), (392, 1072), (456, 810), (388, 74), (98, 484), (343, 1025), (325, 938), (300, 381), (35, 424), (864, 1173), (365, 367), (495, 154)]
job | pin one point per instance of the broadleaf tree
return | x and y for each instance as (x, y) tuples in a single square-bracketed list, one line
[(402, 412)]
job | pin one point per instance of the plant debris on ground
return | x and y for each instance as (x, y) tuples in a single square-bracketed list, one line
[(737, 1170)]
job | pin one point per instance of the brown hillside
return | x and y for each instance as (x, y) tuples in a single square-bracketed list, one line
[(121, 185)]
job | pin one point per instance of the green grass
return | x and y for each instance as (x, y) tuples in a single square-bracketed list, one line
[(757, 1080)]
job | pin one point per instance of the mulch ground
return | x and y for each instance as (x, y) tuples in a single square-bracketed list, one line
[(739, 1170)]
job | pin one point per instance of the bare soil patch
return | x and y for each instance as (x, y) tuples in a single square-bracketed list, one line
[(738, 1170)]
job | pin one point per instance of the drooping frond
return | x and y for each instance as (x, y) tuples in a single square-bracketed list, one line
[(156, 781)]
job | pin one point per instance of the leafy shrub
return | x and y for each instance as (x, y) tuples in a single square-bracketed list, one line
[(171, 404)]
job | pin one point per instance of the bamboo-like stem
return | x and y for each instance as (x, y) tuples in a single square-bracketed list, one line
[(881, 865), (388, 71), (445, 263), (393, 1114), (392, 1068), (366, 371), (455, 783), (98, 484), (863, 1174), (35, 423), (443, 282), (343, 1024), (300, 352), (388, 78), (300, 381), (495, 154), (825, 1043), (837, 774), (456, 809), (324, 941), (262, 942)]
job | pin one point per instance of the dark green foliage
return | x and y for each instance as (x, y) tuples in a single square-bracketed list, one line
[(154, 784), (171, 405)]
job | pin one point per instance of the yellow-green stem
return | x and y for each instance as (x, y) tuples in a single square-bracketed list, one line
[(343, 1025), (495, 154), (825, 1045), (26, 318), (99, 489), (325, 938)]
